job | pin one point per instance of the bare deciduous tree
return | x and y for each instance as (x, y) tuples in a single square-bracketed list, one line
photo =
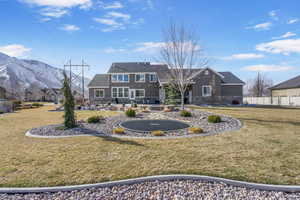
[(181, 52), (259, 86)]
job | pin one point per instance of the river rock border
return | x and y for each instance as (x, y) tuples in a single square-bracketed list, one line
[(172, 177), (104, 129)]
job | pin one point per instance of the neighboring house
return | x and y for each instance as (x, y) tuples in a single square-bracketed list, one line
[(46, 94), (2, 93), (287, 88), (143, 82)]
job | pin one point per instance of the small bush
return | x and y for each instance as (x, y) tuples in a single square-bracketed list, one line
[(134, 105), (1, 112), (37, 105), (130, 113), (185, 113), (95, 119), (158, 133), (235, 102), (195, 130), (214, 119), (119, 131)]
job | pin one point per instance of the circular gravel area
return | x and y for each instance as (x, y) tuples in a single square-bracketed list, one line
[(164, 190), (177, 130), (145, 126)]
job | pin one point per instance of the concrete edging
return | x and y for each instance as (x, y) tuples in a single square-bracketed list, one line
[(258, 186)]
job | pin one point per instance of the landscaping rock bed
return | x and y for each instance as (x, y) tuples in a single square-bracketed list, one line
[(185, 189), (198, 119)]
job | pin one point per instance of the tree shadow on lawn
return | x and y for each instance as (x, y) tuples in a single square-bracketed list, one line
[(270, 121), (119, 140), (109, 138)]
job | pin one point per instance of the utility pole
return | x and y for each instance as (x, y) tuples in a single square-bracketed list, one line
[(83, 66)]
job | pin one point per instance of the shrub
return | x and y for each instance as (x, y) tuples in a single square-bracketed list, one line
[(134, 105), (157, 133), (214, 119), (1, 112), (95, 119), (119, 131), (37, 105), (185, 113), (235, 102), (130, 113), (195, 130)]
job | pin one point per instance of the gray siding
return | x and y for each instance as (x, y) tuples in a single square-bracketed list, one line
[(211, 79), (232, 92), (151, 91)]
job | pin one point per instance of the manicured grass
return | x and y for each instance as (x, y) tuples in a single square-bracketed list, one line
[(266, 150)]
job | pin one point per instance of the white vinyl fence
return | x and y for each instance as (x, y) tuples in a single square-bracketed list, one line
[(278, 101)]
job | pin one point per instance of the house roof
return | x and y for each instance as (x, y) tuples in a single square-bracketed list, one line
[(162, 71), (133, 67), (99, 80), (291, 83), (230, 78)]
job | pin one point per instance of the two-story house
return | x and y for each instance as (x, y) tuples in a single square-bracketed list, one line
[(143, 82)]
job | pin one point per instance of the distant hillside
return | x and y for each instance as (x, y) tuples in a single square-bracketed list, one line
[(17, 75)]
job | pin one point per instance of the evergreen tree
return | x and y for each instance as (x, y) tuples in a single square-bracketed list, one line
[(69, 104), (172, 95)]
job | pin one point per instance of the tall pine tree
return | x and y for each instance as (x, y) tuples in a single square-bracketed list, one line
[(69, 104)]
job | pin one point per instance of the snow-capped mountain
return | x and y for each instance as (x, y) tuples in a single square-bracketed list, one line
[(17, 75)]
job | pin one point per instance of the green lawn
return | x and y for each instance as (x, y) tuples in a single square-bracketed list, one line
[(265, 150)]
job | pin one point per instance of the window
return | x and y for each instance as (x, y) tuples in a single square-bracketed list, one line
[(99, 93), (114, 92), (120, 92), (152, 77), (140, 78), (120, 78), (206, 90), (139, 93), (126, 92), (206, 72)]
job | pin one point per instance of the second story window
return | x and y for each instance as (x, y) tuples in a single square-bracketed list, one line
[(120, 78), (152, 78), (140, 78)]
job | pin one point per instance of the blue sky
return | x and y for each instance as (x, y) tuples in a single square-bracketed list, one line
[(239, 36)]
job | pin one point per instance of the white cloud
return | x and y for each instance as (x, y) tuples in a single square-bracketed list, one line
[(15, 50), (284, 47), (292, 21), (148, 46), (120, 15), (70, 28), (58, 8), (53, 12), (113, 50), (114, 5), (60, 3), (286, 35), (273, 14), (244, 56), (262, 26), (268, 68), (109, 22)]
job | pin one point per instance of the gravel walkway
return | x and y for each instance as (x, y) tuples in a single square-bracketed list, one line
[(199, 119), (161, 190)]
